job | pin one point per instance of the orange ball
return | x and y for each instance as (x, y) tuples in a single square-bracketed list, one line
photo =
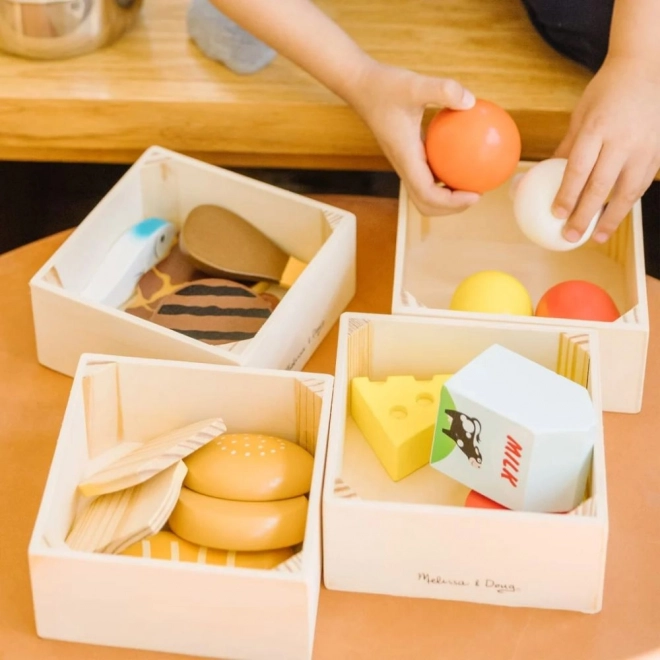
[(578, 300), (474, 150)]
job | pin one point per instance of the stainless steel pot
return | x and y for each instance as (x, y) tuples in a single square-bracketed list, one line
[(55, 29)]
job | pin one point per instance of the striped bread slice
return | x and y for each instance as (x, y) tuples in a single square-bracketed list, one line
[(168, 546), (214, 311)]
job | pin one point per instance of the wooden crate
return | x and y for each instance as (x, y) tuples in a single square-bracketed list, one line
[(168, 185), (178, 607), (433, 255), (414, 537)]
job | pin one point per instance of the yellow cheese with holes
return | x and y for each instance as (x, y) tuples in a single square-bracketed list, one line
[(397, 417), (166, 545)]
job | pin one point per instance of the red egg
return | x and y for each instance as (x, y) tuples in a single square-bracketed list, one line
[(578, 300), (478, 501), (474, 150)]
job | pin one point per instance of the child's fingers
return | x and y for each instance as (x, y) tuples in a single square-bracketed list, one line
[(444, 92), (442, 201), (408, 156), (581, 161), (566, 145), (433, 199), (453, 95), (593, 197), (635, 178), (430, 197)]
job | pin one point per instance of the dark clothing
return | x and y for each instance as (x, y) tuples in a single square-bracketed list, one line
[(578, 29)]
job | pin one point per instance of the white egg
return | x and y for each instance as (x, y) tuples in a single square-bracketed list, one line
[(533, 195)]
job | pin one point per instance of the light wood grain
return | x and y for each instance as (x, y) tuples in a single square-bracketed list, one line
[(165, 184), (154, 87), (355, 626), (115, 521), (144, 460), (431, 263)]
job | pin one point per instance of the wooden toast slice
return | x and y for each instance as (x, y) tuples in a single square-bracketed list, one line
[(114, 521), (145, 460)]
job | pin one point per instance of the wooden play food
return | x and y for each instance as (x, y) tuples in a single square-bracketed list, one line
[(397, 417), (114, 521), (474, 150), (250, 467), (168, 546), (239, 526), (476, 500), (144, 602), (223, 244), (137, 250), (492, 292), (532, 207), (144, 460), (165, 277), (215, 311), (516, 432), (578, 299)]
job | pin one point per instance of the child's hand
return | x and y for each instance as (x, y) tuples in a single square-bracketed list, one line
[(612, 147), (392, 101)]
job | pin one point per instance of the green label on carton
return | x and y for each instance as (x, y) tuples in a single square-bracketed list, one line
[(442, 445)]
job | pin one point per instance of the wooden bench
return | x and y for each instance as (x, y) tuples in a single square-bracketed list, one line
[(154, 87)]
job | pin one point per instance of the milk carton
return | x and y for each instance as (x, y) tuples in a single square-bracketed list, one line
[(515, 432)]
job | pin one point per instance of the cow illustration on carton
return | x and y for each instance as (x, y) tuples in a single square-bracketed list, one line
[(465, 432)]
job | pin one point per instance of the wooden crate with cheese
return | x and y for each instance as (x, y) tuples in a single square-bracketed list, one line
[(393, 524)]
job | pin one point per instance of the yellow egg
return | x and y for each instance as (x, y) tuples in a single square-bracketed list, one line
[(492, 292)]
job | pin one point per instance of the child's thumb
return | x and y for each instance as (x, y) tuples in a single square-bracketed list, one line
[(450, 94)]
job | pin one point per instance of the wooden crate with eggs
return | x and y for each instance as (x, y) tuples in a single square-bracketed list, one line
[(182, 509), (505, 258)]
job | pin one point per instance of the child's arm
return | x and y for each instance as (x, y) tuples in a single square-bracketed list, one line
[(389, 99), (613, 143)]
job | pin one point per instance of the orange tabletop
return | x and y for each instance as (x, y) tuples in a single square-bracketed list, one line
[(350, 626)]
